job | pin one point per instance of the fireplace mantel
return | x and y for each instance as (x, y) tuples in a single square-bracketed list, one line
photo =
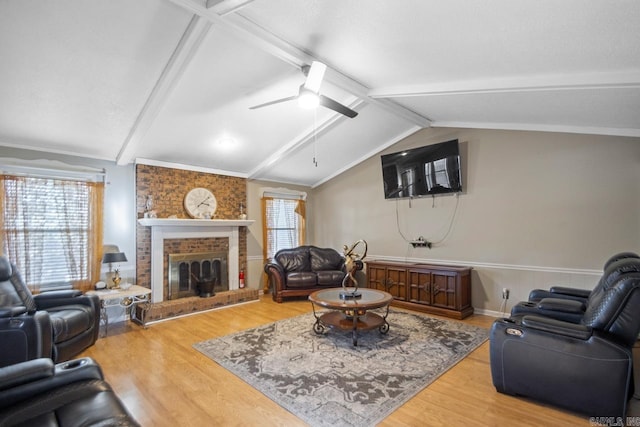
[(180, 222), (175, 228)]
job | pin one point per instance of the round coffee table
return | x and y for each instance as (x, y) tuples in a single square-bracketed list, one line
[(351, 313)]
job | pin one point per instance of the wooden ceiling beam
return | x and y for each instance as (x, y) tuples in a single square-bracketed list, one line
[(514, 84), (173, 71), (224, 7), (252, 33)]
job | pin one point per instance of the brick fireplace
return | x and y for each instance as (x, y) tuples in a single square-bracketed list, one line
[(167, 186), (170, 233)]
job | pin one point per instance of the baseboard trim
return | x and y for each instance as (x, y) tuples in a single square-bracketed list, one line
[(491, 313)]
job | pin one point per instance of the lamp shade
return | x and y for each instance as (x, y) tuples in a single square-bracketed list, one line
[(112, 257)]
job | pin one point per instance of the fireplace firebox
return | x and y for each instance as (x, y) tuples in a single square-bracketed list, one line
[(188, 272)]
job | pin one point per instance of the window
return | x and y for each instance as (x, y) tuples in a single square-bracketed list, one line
[(52, 230), (283, 224)]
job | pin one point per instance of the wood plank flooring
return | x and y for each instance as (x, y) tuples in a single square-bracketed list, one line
[(165, 382)]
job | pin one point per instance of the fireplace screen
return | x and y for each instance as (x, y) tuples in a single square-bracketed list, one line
[(188, 271)]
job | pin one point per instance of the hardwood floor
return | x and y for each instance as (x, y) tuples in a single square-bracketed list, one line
[(165, 382)]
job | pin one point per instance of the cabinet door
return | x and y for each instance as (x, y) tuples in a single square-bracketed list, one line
[(443, 289), (376, 277), (420, 286), (396, 283)]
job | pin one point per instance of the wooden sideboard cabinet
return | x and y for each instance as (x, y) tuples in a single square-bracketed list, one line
[(436, 289)]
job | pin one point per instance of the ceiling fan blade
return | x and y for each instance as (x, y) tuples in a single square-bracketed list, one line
[(277, 101), (315, 76), (337, 107)]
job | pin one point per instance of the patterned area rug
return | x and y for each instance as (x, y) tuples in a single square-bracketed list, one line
[(326, 381)]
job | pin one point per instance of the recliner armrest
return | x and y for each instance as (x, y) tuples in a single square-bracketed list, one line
[(558, 327), (563, 305), (539, 294), (42, 376), (12, 311), (65, 293), (25, 372), (53, 299), (574, 292)]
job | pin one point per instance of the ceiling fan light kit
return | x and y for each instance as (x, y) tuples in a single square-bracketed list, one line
[(309, 93), (308, 99)]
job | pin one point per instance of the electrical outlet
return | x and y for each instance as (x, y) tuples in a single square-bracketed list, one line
[(505, 293)]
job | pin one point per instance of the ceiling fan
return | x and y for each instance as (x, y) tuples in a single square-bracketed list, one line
[(309, 93)]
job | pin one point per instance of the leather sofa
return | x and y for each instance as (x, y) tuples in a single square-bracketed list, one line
[(69, 394), (56, 324), (302, 270), (583, 366)]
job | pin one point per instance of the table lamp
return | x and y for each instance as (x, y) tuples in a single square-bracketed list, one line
[(110, 258)]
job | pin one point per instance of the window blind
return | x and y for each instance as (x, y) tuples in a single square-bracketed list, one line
[(48, 229), (282, 225)]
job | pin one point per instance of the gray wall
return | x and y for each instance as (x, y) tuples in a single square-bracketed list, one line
[(538, 208)]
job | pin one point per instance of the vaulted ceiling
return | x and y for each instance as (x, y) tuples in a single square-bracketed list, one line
[(172, 80)]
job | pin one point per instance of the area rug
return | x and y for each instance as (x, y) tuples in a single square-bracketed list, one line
[(326, 381)]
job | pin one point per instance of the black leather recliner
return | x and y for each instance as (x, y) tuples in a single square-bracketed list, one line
[(56, 324), (585, 366), (69, 394), (570, 304), (563, 292)]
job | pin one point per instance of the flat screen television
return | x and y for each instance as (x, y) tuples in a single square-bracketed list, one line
[(424, 171)]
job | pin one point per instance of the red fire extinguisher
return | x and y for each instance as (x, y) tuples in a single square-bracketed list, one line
[(241, 279)]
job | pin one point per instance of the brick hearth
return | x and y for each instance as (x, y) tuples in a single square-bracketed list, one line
[(182, 306)]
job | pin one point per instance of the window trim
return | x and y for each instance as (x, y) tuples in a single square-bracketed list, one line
[(270, 194), (55, 170)]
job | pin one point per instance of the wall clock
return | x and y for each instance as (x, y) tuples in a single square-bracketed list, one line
[(200, 203)]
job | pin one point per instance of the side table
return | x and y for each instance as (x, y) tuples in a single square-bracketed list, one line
[(127, 298)]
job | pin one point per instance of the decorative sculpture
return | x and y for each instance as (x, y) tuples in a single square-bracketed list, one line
[(353, 261), (149, 212)]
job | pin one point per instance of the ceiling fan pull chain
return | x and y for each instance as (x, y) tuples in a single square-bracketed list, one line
[(315, 137)]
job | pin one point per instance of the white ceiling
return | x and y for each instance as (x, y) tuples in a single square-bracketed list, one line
[(171, 81)]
